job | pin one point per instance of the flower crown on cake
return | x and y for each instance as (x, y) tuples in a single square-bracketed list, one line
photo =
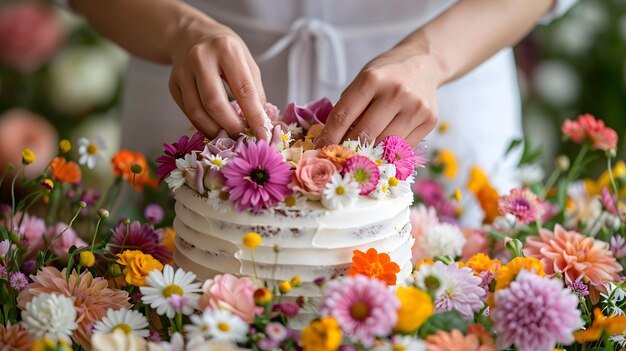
[(256, 174)]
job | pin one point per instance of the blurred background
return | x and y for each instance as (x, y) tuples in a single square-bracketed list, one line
[(59, 79)]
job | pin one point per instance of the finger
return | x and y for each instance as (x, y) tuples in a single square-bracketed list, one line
[(194, 109), (349, 107), (242, 84), (176, 94), (402, 125), (419, 133), (214, 99), (373, 122), (256, 74)]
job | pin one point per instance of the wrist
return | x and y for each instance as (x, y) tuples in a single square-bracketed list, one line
[(188, 30), (427, 57)]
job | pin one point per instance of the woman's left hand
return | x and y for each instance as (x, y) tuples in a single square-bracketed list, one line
[(394, 94)]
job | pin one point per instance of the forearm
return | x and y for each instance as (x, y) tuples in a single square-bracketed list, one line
[(145, 28), (472, 31)]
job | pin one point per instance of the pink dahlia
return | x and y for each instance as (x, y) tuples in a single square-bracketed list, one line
[(535, 313), (257, 177), (178, 150), (461, 291), (142, 237), (588, 127), (364, 171), (364, 308), (523, 204), (400, 154)]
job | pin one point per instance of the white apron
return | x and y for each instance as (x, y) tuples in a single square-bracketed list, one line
[(307, 49)]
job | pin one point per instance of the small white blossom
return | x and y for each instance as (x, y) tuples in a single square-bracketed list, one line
[(216, 162), (90, 152), (124, 319), (442, 239), (177, 177), (162, 285), (51, 316), (340, 192)]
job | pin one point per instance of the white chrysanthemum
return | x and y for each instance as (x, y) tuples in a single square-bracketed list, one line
[(127, 320), (177, 177), (91, 151), (530, 174), (340, 192), (224, 325), (162, 285), (51, 316), (443, 239), (216, 162), (428, 279), (219, 200)]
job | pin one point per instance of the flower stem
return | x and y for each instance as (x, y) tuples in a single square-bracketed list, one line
[(17, 174), (45, 251), (616, 191), (95, 233)]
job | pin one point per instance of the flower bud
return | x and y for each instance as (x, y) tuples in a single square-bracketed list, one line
[(87, 259), (514, 247), (284, 287), (103, 213), (251, 240), (562, 163), (65, 146), (262, 296)]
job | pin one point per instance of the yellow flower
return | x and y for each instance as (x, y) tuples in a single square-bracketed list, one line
[(427, 261), (48, 184), (262, 296), (65, 146), (594, 187), (443, 127), (28, 156), (486, 194), (601, 324), (508, 273), (167, 238), (284, 287), (481, 263), (450, 165), (295, 281), (322, 335), (138, 266), (251, 240), (458, 195), (87, 259), (46, 344), (416, 307)]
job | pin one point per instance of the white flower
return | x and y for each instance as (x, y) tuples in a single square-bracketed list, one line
[(162, 285), (51, 316), (177, 177), (402, 342), (442, 239), (389, 185), (351, 144), (248, 136), (340, 192), (218, 199), (124, 319), (226, 326), (90, 152), (199, 328), (216, 162), (530, 174), (587, 209), (372, 151), (212, 345), (428, 279), (294, 129), (117, 340), (284, 142), (4, 247), (613, 300), (176, 343)]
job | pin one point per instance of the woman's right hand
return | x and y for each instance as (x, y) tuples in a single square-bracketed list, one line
[(205, 53)]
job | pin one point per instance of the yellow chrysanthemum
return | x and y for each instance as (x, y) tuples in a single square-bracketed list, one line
[(416, 307), (481, 263), (322, 335), (508, 273), (137, 266), (449, 162)]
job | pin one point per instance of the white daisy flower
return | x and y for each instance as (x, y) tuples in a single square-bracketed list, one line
[(176, 343), (340, 192), (219, 199), (199, 328), (249, 136), (90, 152), (51, 316), (398, 187), (428, 279), (294, 129), (351, 144), (177, 177), (162, 285), (295, 200), (224, 325), (285, 141), (127, 320), (216, 162), (372, 151), (442, 239)]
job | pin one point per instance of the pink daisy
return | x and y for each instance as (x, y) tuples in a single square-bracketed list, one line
[(399, 153), (523, 204), (588, 127), (535, 313), (179, 149), (257, 177), (365, 308), (364, 171)]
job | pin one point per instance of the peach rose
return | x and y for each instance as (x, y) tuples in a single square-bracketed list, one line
[(311, 175), (230, 293)]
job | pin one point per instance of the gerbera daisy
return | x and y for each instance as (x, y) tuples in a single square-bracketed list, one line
[(178, 150), (91, 151), (162, 285), (374, 265), (142, 237), (340, 192), (91, 296), (364, 308), (364, 171), (400, 154), (51, 316), (178, 176), (523, 204), (257, 177), (127, 320)]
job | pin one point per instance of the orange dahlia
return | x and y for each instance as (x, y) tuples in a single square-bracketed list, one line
[(455, 341), (91, 297), (133, 168), (374, 265), (15, 338), (575, 256), (65, 172)]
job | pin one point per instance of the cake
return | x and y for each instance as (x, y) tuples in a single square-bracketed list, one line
[(312, 208)]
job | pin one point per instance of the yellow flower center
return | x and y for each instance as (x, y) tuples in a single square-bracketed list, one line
[(173, 290), (224, 195), (393, 181), (124, 327), (384, 188), (217, 162), (290, 201), (224, 327), (340, 190), (399, 348), (285, 137), (92, 149), (378, 162), (359, 311)]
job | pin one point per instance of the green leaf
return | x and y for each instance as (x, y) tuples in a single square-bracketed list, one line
[(446, 321), (513, 145)]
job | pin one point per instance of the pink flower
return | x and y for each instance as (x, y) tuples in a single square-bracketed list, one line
[(276, 331), (257, 177), (315, 112), (222, 145), (311, 175), (230, 293), (364, 308), (32, 230), (364, 171), (608, 202), (476, 242), (588, 127), (535, 313), (61, 246), (422, 218), (461, 290), (29, 36), (179, 149), (523, 204), (399, 153), (271, 110)]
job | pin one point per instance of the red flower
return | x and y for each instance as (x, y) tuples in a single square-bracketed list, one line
[(588, 127)]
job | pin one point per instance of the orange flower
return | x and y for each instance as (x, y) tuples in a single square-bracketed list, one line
[(374, 265), (601, 324), (480, 263), (65, 172), (337, 154), (427, 261), (455, 341), (485, 193), (125, 162), (15, 338)]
